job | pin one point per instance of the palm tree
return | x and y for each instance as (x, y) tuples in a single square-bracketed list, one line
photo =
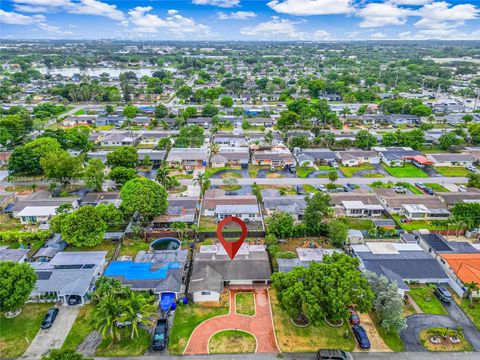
[(162, 175), (180, 228), (332, 175), (471, 287), (214, 148), (138, 309), (107, 313), (345, 111), (202, 181), (430, 290)]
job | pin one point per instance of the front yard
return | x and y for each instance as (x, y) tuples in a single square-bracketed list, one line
[(302, 172), (471, 310), (245, 303), (232, 342), (443, 336), (434, 306), (406, 171), (350, 171), (81, 328), (17, 333), (311, 338), (187, 318), (126, 346), (436, 187), (211, 171), (452, 171)]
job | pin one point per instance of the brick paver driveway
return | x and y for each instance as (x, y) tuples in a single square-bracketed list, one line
[(259, 325)]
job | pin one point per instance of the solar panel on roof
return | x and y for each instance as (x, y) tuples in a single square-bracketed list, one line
[(437, 243)]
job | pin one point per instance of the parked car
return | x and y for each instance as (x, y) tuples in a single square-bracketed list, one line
[(471, 168), (361, 336), (405, 221), (300, 190), (49, 318), (322, 188), (347, 189), (443, 294), (354, 318), (428, 190), (74, 300), (462, 188), (333, 354), (159, 339), (399, 189), (333, 164), (420, 185)]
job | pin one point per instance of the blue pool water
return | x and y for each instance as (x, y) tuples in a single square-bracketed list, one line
[(139, 271), (166, 243)]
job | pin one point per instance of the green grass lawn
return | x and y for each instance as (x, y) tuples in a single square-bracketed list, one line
[(412, 188), (131, 248), (79, 112), (125, 346), (310, 189), (436, 187), (245, 303), (373, 175), (391, 339), (16, 333), (302, 172), (406, 171), (210, 171), (434, 306), (425, 335), (106, 245), (416, 224), (232, 342), (360, 224), (471, 310), (452, 171), (311, 338), (253, 169), (349, 171), (187, 318), (82, 326)]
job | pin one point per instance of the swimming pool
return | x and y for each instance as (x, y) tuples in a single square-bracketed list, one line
[(167, 243), (139, 271)]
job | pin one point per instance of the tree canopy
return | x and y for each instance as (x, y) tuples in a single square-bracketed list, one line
[(16, 283), (125, 156), (145, 196)]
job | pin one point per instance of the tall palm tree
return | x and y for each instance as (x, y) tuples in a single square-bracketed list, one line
[(138, 309), (107, 313), (471, 287), (162, 175), (202, 181)]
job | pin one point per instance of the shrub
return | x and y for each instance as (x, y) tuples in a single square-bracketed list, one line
[(21, 237)]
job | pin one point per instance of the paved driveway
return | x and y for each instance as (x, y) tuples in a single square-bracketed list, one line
[(259, 325), (455, 318), (376, 342), (53, 338)]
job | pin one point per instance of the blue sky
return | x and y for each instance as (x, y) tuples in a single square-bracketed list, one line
[(313, 20)]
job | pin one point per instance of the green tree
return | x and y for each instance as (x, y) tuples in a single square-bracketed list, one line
[(202, 181), (288, 119), (281, 224), (468, 213), (145, 196), (161, 111), (317, 212), (94, 174), (61, 354), (333, 175), (130, 111), (226, 101), (337, 232), (125, 156), (421, 110), (60, 166), (471, 288), (121, 175), (82, 227), (389, 139), (16, 283), (209, 110), (110, 214), (179, 228), (365, 140), (184, 92), (474, 180), (108, 313), (291, 292), (138, 310), (448, 140)]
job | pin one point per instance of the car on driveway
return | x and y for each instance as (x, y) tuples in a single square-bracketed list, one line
[(354, 318), (443, 294), (160, 335), (333, 354), (361, 336), (49, 318), (471, 168)]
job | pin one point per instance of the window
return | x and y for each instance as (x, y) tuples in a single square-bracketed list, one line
[(205, 292)]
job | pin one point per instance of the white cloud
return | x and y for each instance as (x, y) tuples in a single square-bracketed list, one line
[(311, 7), (378, 35), (236, 15), (321, 35), (219, 3), (275, 29), (411, 2), (94, 7), (38, 21), (443, 11), (353, 34), (178, 25), (377, 15)]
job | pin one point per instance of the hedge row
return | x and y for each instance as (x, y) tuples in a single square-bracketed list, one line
[(11, 236)]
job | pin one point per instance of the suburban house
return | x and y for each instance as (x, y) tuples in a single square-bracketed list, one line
[(277, 156), (305, 256), (214, 197), (182, 209), (95, 198), (231, 156), (110, 120), (401, 119), (119, 139), (396, 156), (248, 213), (309, 157), (80, 120), (156, 156), (227, 139), (68, 276), (159, 272), (50, 249), (452, 159), (260, 121), (13, 255), (355, 204), (292, 204), (451, 198), (400, 262), (436, 245), (188, 157), (463, 268), (213, 270), (355, 157), (413, 207)]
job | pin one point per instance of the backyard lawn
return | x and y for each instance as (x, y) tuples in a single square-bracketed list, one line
[(16, 333), (311, 338), (125, 346), (82, 326), (131, 248), (106, 245), (452, 171), (349, 171), (360, 224), (434, 306), (232, 342), (406, 171), (417, 224), (245, 303), (187, 318)]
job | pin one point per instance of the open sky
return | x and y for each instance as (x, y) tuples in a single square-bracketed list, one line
[(314, 20)]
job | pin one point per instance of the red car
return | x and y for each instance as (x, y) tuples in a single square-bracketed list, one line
[(354, 318)]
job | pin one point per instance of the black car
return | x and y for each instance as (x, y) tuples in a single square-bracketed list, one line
[(49, 318), (300, 190), (361, 336), (160, 335), (333, 354), (443, 294)]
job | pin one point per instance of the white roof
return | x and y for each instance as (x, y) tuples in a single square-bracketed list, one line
[(38, 211), (416, 208), (356, 204)]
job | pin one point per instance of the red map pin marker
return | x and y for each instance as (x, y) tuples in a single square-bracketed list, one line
[(232, 247)]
